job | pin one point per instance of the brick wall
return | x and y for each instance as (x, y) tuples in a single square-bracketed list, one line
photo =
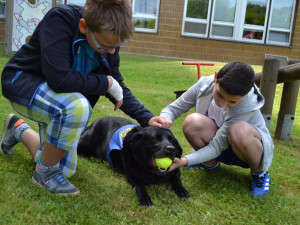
[(169, 42), (2, 30)]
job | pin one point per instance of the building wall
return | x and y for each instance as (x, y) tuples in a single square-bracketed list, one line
[(169, 42), (2, 30)]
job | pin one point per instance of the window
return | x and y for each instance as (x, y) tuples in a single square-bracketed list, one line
[(145, 15), (196, 17), (256, 21), (223, 19), (281, 22), (2, 9), (76, 2)]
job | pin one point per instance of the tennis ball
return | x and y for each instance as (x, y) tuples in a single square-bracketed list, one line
[(163, 163)]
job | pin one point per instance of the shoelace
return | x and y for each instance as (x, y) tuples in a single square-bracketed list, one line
[(59, 178), (258, 181)]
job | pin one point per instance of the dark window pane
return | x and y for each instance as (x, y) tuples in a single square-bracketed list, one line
[(256, 12), (279, 36), (222, 31), (195, 28), (253, 34), (2, 9), (197, 9)]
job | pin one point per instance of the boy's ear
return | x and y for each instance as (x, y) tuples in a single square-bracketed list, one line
[(215, 77), (83, 26)]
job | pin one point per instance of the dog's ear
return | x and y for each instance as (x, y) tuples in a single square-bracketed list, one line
[(133, 135), (177, 147)]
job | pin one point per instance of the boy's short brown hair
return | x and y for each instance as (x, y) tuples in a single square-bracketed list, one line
[(113, 16)]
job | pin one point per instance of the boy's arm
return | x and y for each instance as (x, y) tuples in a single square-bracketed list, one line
[(178, 163), (131, 106), (55, 34), (183, 104)]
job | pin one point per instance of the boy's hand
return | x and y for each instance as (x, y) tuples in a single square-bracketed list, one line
[(116, 91), (178, 163), (161, 122)]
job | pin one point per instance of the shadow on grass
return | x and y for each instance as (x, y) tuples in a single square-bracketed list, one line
[(228, 179)]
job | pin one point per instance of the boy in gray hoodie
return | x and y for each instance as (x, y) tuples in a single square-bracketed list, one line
[(227, 126)]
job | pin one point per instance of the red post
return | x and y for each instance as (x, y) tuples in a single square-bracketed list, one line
[(198, 64)]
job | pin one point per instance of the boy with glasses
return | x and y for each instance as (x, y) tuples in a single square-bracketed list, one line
[(56, 78)]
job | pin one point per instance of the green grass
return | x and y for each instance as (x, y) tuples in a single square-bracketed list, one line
[(220, 197)]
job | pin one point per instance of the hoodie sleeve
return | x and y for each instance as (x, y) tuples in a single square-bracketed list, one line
[(183, 104), (131, 106)]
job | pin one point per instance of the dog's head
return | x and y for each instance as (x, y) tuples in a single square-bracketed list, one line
[(144, 145)]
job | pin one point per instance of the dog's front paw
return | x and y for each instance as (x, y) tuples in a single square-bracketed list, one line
[(143, 196), (145, 201), (178, 188), (182, 192)]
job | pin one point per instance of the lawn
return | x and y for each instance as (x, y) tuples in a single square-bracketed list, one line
[(220, 197)]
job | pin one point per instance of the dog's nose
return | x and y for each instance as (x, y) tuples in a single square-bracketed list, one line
[(170, 148)]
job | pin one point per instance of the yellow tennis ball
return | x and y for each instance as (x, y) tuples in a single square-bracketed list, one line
[(163, 163)]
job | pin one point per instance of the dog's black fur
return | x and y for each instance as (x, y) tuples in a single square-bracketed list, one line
[(136, 160)]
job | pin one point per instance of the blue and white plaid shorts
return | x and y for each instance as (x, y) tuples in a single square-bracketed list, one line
[(62, 117)]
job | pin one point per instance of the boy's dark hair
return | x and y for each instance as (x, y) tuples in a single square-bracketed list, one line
[(113, 16), (237, 78)]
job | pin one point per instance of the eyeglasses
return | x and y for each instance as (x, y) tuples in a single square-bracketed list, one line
[(103, 48)]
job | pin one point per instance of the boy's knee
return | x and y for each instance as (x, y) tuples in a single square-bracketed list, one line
[(189, 123), (236, 131), (80, 107), (197, 122), (240, 133)]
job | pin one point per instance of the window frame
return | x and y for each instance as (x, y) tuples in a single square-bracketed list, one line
[(2, 16), (194, 20), (73, 3), (224, 24), (146, 16), (254, 27), (239, 25), (290, 30)]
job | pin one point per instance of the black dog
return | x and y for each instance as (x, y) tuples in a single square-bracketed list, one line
[(137, 157)]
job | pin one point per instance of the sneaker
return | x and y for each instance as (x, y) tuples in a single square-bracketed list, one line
[(201, 166), (260, 184), (54, 182), (8, 139)]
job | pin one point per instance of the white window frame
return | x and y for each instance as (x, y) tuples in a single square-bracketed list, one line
[(147, 16), (194, 20), (239, 24), (224, 24), (281, 29), (253, 27), (2, 16), (74, 2)]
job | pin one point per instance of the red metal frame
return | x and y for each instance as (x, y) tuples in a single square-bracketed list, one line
[(198, 64)]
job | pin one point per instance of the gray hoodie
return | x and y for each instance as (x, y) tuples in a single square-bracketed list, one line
[(248, 109)]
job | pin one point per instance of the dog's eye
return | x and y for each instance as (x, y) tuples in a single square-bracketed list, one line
[(158, 137), (170, 138)]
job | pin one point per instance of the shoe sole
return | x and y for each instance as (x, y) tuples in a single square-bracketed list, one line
[(62, 194), (210, 169), (5, 130)]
